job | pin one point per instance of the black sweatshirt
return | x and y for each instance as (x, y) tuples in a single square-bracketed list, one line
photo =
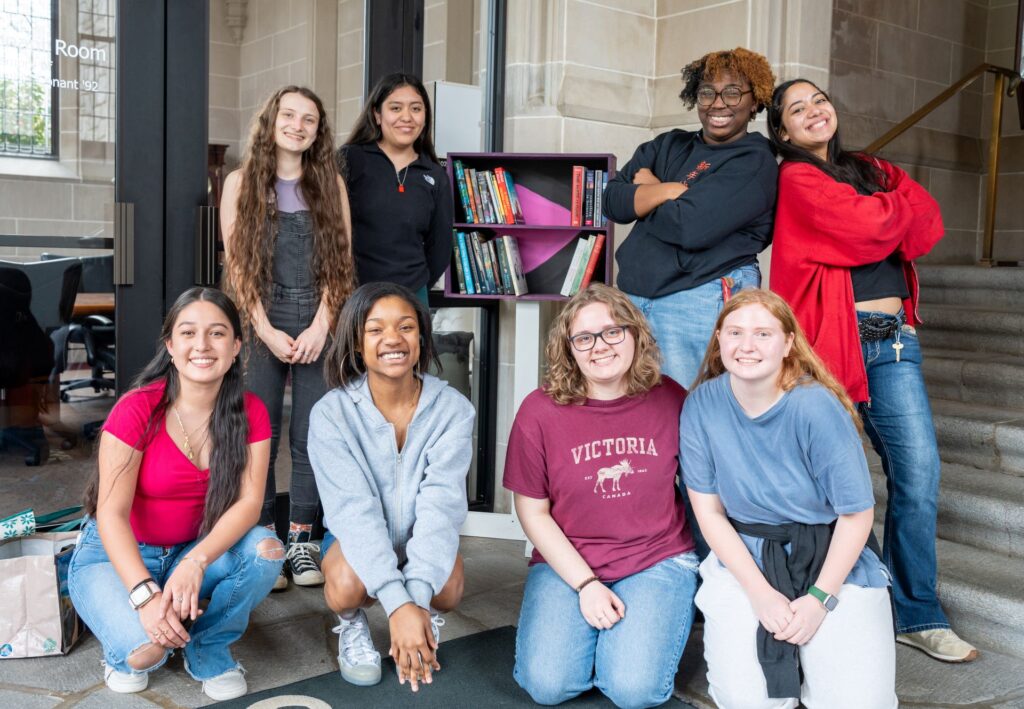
[(401, 237), (720, 223)]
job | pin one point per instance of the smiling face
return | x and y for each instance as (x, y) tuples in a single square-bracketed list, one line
[(753, 344), (808, 119), (604, 366), (722, 123), (391, 339), (203, 345), (401, 118), (297, 122)]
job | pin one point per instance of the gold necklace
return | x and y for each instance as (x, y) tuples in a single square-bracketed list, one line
[(188, 446)]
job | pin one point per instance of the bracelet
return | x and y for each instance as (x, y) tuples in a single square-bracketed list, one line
[(586, 583)]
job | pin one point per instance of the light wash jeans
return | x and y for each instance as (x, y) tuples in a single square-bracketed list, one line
[(898, 421), (559, 656), (682, 324), (235, 584)]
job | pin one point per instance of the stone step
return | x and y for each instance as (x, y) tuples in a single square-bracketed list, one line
[(991, 379), (989, 288), (964, 327), (977, 507), (980, 436)]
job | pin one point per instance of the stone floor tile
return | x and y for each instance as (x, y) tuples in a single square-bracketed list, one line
[(25, 700), (74, 672), (103, 698)]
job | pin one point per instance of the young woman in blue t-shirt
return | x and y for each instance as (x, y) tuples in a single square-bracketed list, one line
[(776, 474)]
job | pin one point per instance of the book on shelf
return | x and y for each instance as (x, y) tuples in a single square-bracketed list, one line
[(474, 201), (595, 254), (506, 279), (460, 178), (513, 196), (574, 265), (515, 263), (485, 197), (506, 203), (461, 277), (577, 279), (588, 199), (491, 256), (576, 206), (492, 181), (604, 188), (598, 197), (467, 271)]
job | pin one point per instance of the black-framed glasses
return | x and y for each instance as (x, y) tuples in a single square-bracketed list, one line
[(731, 95), (584, 341)]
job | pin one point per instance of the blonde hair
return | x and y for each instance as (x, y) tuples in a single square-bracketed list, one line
[(565, 382), (801, 366)]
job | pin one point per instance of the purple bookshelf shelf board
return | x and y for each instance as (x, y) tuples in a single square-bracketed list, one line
[(466, 226), (528, 296)]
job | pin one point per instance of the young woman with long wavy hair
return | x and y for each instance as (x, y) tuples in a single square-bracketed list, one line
[(776, 474), (173, 509), (288, 265), (592, 462), (847, 230)]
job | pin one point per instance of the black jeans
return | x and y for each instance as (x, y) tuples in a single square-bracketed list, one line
[(290, 310)]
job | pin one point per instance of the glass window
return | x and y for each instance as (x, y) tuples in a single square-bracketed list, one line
[(28, 78)]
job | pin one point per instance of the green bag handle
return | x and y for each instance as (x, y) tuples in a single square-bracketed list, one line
[(59, 514)]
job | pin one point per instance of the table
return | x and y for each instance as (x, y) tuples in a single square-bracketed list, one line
[(94, 304)]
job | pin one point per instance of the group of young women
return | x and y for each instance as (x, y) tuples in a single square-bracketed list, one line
[(607, 460)]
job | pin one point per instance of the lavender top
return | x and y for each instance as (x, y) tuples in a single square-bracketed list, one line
[(289, 198)]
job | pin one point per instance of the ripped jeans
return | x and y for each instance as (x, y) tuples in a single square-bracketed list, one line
[(235, 583)]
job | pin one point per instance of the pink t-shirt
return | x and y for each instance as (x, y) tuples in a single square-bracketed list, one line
[(170, 494), (609, 469)]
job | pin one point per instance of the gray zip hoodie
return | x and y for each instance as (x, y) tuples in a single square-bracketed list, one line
[(388, 507)]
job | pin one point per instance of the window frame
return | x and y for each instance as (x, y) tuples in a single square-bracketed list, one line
[(54, 153)]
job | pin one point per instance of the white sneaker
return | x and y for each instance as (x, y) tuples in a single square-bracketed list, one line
[(281, 582), (229, 685), (358, 661), (940, 643), (305, 570), (124, 683)]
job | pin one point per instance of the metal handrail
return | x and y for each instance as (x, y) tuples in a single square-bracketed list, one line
[(1007, 82)]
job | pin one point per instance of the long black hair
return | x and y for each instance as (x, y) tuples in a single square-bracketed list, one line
[(229, 425), (344, 361), (856, 169), (366, 128)]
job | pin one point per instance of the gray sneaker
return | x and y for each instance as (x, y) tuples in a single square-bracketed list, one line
[(358, 661)]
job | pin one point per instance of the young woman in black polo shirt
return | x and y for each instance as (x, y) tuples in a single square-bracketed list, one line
[(401, 201)]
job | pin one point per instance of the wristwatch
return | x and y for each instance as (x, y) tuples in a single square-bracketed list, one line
[(143, 593), (827, 599)]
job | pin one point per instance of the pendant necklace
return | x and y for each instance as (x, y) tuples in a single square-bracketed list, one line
[(400, 175), (188, 445)]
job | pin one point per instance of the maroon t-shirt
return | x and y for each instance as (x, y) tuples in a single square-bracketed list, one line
[(609, 469)]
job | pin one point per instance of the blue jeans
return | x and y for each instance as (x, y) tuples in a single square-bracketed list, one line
[(235, 584), (682, 324), (898, 420), (559, 656)]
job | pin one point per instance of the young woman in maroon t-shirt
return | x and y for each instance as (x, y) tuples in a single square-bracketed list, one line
[(592, 460), (173, 509)]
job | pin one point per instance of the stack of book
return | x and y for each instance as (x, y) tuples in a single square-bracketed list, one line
[(488, 266), (584, 261), (488, 196), (587, 192)]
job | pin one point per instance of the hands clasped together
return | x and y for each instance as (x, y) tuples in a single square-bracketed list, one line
[(163, 617), (413, 646), (304, 349), (794, 622)]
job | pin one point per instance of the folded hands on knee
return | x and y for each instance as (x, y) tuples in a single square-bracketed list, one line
[(794, 622), (600, 607)]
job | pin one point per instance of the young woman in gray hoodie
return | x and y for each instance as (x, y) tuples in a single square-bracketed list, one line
[(390, 447)]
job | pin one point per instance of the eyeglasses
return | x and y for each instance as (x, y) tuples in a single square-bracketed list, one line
[(731, 95), (585, 341)]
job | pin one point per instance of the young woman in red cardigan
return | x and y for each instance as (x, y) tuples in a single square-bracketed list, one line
[(847, 229)]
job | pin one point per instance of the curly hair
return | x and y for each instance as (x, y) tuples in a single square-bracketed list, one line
[(801, 366), (247, 275), (564, 381), (739, 61)]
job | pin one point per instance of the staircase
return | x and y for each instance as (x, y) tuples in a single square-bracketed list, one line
[(973, 343)]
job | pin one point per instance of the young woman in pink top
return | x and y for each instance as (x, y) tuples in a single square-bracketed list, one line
[(173, 509)]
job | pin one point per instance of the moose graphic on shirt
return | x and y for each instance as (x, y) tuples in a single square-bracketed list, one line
[(615, 473)]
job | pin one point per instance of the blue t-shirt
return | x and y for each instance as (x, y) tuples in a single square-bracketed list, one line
[(800, 461)]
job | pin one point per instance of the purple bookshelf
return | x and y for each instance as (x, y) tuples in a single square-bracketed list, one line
[(546, 241)]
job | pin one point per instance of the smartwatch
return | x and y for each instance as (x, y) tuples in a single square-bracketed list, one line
[(143, 593), (827, 599)]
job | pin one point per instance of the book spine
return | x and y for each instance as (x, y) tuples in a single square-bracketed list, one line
[(481, 180), (506, 203), (598, 197), (478, 205), (516, 264), (492, 249), (570, 275), (481, 264), (470, 190), (584, 258), (576, 210), (588, 200), (458, 264), (595, 254), (488, 266), (499, 209), (467, 270), (604, 188), (506, 276), (460, 179), (517, 208), (478, 281)]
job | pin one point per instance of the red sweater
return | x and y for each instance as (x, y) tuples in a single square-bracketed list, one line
[(823, 228)]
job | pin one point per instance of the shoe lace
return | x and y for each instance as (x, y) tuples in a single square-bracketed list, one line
[(436, 623), (300, 557), (355, 642)]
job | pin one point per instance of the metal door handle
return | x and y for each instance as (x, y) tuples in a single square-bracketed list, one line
[(207, 219), (124, 244)]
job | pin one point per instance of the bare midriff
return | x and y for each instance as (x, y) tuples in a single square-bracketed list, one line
[(889, 305)]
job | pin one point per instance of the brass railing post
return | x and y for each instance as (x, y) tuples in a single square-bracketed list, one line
[(992, 179)]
